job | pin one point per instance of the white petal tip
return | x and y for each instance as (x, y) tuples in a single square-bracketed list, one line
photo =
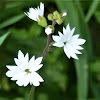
[(48, 30), (64, 14)]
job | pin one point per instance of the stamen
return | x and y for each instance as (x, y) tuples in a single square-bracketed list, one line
[(27, 70)]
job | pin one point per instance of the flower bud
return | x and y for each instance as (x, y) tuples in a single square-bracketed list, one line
[(56, 15), (50, 17), (59, 21), (49, 29), (63, 15), (42, 21)]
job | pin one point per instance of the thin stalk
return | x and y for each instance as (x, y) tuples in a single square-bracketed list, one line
[(47, 46), (31, 93)]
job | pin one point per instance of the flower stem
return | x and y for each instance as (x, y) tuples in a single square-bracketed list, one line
[(43, 55), (31, 93), (47, 46)]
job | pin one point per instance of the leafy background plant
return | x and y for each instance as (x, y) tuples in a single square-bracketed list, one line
[(65, 79)]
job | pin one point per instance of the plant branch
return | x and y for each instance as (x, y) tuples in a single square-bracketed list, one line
[(47, 46)]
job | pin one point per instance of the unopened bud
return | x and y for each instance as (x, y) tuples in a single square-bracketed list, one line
[(42, 21), (50, 17), (59, 21), (56, 15), (63, 14), (49, 29)]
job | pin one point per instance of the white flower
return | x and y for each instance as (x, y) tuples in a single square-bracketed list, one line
[(70, 42), (24, 72), (34, 13), (48, 30)]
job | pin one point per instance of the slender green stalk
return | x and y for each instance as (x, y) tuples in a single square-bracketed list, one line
[(31, 93)]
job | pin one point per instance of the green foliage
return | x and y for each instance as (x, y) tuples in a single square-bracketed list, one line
[(97, 15), (92, 9), (64, 79), (11, 21), (2, 38)]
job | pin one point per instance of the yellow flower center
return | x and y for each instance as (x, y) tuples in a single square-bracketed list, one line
[(64, 43), (27, 70)]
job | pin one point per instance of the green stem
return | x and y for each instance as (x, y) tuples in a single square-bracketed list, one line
[(31, 93)]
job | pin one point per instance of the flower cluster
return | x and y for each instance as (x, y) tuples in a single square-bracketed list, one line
[(24, 72)]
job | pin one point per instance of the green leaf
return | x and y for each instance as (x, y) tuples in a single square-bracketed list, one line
[(3, 98), (95, 66), (2, 38), (94, 87), (82, 77), (92, 9), (42, 97), (97, 15), (11, 21)]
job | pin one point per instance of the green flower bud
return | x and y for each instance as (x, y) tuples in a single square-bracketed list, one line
[(56, 15), (50, 17), (42, 21), (63, 15), (59, 21)]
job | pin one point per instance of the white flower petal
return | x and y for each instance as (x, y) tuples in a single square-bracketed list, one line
[(35, 82), (20, 64), (79, 48), (32, 59), (10, 73), (20, 82), (67, 52), (42, 8), (11, 67), (58, 44), (56, 38), (38, 60), (73, 55), (34, 13), (37, 77), (35, 68), (21, 75), (60, 34), (27, 80), (67, 30), (20, 55), (81, 41), (26, 59), (70, 51), (48, 30)]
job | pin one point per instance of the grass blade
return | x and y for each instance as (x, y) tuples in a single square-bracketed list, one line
[(94, 87), (11, 21), (2, 38), (92, 9)]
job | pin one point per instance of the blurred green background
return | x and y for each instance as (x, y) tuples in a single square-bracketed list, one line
[(65, 79)]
